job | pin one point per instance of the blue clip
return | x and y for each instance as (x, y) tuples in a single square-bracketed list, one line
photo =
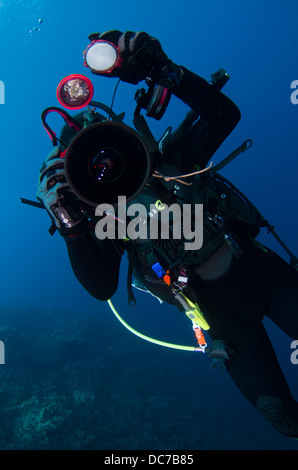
[(157, 268)]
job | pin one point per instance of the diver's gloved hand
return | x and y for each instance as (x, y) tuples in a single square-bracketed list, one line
[(142, 56), (56, 196)]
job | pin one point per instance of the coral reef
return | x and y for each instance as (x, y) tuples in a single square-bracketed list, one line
[(70, 383)]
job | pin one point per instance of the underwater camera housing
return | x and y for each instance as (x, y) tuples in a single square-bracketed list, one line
[(106, 160), (103, 157)]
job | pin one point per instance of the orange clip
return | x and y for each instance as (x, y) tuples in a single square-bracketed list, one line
[(200, 337), (167, 278)]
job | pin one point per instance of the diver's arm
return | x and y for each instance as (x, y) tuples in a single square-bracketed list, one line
[(143, 56), (218, 117), (205, 98), (95, 265)]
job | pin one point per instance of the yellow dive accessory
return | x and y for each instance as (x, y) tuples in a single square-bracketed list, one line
[(152, 340), (196, 315), (192, 310)]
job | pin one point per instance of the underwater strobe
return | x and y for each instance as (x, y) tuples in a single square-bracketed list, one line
[(75, 91), (106, 160), (102, 56)]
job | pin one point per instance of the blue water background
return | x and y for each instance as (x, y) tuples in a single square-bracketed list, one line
[(66, 355)]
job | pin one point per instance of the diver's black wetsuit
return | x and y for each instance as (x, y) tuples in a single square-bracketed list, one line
[(256, 285)]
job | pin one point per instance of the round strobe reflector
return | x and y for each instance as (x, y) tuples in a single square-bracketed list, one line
[(101, 56), (75, 91)]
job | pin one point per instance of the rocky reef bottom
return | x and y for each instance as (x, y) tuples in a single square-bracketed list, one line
[(80, 381)]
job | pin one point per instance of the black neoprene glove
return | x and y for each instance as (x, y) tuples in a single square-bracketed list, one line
[(141, 53), (57, 198)]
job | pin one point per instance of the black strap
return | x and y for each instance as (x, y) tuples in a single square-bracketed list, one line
[(245, 146), (142, 127), (131, 258), (32, 203)]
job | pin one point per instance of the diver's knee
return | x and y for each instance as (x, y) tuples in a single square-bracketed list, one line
[(275, 411)]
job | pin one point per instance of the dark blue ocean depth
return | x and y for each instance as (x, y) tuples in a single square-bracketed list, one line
[(73, 377)]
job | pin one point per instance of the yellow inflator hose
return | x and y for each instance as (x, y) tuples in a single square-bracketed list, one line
[(147, 338)]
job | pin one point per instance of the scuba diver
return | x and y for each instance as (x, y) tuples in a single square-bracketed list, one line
[(234, 279)]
